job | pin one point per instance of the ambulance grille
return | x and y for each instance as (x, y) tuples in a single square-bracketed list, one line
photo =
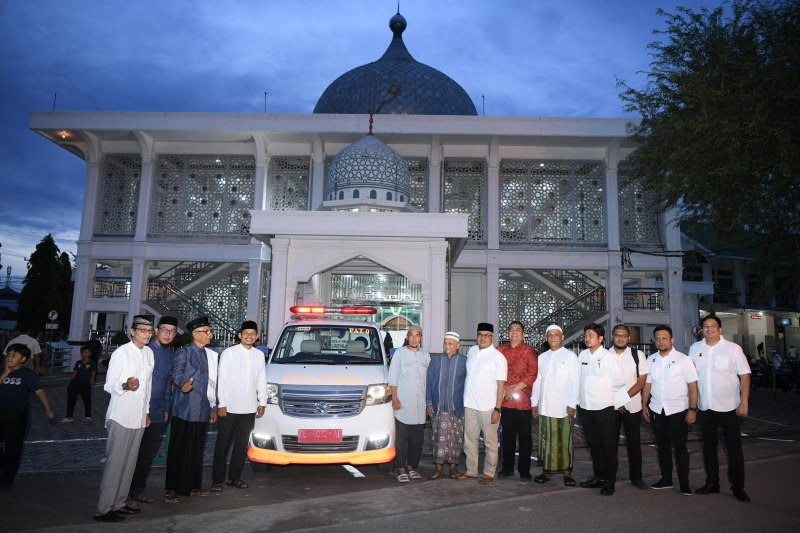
[(322, 403), (348, 444)]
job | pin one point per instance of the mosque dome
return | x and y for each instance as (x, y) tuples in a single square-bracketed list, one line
[(423, 89), (369, 170)]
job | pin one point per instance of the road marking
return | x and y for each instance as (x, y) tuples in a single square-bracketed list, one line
[(778, 440), (767, 421), (353, 470), (65, 440)]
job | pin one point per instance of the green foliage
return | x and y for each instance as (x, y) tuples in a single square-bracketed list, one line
[(47, 286), (119, 339), (720, 131)]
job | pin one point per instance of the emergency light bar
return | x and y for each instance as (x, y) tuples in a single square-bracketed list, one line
[(323, 310)]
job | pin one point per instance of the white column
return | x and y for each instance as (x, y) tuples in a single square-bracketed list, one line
[(674, 299), (493, 295), (614, 288), (492, 223), (139, 274), (254, 281), (438, 281), (84, 286), (612, 206), (260, 200), (317, 181), (145, 193), (278, 303), (428, 341), (90, 200), (435, 176)]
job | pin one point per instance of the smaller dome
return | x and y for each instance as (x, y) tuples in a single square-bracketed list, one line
[(369, 163)]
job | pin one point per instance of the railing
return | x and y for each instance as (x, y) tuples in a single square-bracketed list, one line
[(112, 288), (570, 314), (188, 309), (643, 300), (185, 272), (573, 280)]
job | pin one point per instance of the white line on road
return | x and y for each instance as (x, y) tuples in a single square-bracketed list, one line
[(778, 440), (60, 441), (767, 421), (353, 470)]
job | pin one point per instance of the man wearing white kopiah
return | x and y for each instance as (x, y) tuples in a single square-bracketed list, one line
[(556, 392), (602, 391), (483, 395)]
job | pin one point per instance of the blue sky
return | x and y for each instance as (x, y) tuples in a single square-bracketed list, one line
[(528, 57)]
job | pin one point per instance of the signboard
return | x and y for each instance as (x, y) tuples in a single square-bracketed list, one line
[(51, 326), (52, 315), (755, 317)]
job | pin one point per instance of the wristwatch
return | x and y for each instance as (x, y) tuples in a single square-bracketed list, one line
[(497, 409), (693, 409)]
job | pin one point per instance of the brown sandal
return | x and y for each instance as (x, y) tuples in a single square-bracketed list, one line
[(486, 479), (216, 487), (454, 474), (144, 498), (464, 477), (436, 474)]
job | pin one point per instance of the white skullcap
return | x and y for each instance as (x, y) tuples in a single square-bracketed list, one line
[(453, 335), (554, 326)]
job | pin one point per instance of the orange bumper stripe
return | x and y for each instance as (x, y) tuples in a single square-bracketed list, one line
[(354, 458)]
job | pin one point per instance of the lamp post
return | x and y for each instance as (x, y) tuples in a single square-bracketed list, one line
[(391, 92)]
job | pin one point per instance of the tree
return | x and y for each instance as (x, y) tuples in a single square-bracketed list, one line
[(719, 136), (47, 286)]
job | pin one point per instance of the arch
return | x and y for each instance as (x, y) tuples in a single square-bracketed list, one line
[(373, 195), (356, 194), (330, 196), (402, 198), (310, 264), (341, 195), (389, 196), (396, 323)]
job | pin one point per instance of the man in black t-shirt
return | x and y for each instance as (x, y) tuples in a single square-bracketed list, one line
[(83, 375)]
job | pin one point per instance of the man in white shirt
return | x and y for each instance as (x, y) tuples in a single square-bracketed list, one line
[(724, 385), (128, 381), (602, 391), (408, 377), (793, 353), (241, 397), (634, 368), (33, 362), (670, 405), (487, 370), (555, 396)]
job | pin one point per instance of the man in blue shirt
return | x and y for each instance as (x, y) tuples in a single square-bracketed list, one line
[(159, 406)]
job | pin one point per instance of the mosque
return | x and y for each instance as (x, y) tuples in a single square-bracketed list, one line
[(393, 193)]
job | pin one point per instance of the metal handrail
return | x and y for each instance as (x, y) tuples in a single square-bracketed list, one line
[(643, 299), (570, 314), (187, 308), (573, 280), (183, 272), (112, 288)]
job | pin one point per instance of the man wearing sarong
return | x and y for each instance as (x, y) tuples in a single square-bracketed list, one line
[(556, 392), (194, 407), (445, 405)]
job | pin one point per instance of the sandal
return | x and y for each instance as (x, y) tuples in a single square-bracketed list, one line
[(144, 498), (402, 478), (414, 475), (216, 487), (198, 492), (486, 479), (238, 483), (464, 477), (541, 479), (436, 474), (569, 482), (171, 499), (454, 474)]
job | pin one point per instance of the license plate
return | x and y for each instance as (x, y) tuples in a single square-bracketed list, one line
[(319, 435)]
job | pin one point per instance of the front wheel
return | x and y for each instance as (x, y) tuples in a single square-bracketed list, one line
[(385, 468), (260, 467)]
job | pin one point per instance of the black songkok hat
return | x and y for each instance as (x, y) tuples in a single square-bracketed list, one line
[(248, 324), (168, 321), (485, 326), (142, 320), (198, 322)]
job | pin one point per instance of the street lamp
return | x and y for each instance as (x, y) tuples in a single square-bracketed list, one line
[(391, 92)]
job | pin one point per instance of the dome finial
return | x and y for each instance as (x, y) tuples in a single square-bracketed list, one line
[(398, 23)]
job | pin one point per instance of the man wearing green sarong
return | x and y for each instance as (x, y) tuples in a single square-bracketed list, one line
[(555, 395)]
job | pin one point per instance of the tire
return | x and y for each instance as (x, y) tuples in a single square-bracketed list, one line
[(260, 467), (385, 468)]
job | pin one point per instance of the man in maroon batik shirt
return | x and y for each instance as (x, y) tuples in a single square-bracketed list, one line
[(516, 415)]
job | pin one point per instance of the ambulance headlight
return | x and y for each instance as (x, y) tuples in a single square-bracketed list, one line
[(264, 442), (378, 394), (377, 442), (272, 393)]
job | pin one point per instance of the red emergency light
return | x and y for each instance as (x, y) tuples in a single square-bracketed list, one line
[(323, 310)]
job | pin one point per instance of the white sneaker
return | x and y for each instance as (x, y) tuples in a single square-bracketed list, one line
[(68, 419), (88, 419)]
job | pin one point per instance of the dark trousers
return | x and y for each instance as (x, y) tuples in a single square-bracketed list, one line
[(598, 428), (671, 432), (237, 427), (632, 423), (709, 421), (13, 423), (148, 448), (408, 448), (517, 423), (84, 390)]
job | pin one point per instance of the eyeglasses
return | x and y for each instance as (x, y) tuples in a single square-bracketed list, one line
[(205, 331), (617, 336), (168, 331), (144, 331), (485, 335)]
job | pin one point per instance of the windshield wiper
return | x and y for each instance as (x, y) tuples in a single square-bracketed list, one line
[(324, 361), (363, 362)]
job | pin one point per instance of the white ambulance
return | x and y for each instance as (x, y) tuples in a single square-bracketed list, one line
[(328, 397)]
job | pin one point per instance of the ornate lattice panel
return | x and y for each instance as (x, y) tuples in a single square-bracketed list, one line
[(265, 279), (119, 204), (464, 192), (380, 289), (288, 183), (543, 201), (523, 301), (418, 172), (638, 221), (227, 298), (203, 195)]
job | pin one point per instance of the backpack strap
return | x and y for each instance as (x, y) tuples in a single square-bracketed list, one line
[(635, 354)]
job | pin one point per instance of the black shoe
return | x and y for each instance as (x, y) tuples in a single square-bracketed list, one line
[(685, 490), (661, 484), (504, 474), (741, 495), (708, 488), (608, 490), (110, 516), (526, 477), (128, 510), (639, 484), (592, 483)]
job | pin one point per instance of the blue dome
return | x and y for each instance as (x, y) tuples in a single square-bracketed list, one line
[(369, 163), (424, 90)]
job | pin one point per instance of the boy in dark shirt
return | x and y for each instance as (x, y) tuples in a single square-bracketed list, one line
[(83, 376)]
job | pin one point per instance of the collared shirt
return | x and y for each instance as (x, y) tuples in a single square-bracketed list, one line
[(718, 369), (523, 365), (629, 371), (128, 408), (602, 382), (242, 384), (31, 343), (196, 405), (83, 371), (669, 378), (559, 383), (445, 383), (409, 373), (162, 381), (484, 369)]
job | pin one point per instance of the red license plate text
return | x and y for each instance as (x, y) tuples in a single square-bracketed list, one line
[(319, 435)]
